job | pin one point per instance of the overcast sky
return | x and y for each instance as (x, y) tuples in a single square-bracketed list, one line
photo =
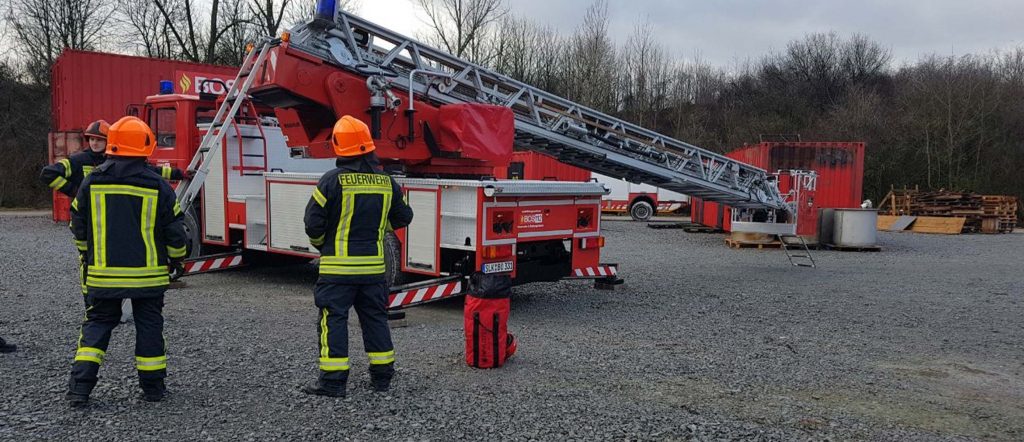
[(726, 31)]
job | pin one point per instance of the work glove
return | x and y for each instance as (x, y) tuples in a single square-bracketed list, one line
[(176, 269)]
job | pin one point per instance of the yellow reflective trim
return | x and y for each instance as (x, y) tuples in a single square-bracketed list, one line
[(165, 172), (381, 358), (82, 245), (125, 189), (67, 166), (318, 241), (341, 236), (352, 270), (385, 208), (98, 221), (319, 197), (147, 227), (150, 363), (177, 208), (74, 204), (90, 354), (334, 364), (128, 271), (138, 283), (86, 170), (176, 252), (351, 260), (324, 350), (58, 182)]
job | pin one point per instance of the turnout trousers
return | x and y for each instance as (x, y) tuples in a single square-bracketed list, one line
[(370, 301), (101, 317)]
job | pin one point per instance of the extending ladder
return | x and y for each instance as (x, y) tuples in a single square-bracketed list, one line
[(545, 122), (797, 252), (236, 94)]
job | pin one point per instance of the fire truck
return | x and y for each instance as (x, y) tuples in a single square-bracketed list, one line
[(442, 126)]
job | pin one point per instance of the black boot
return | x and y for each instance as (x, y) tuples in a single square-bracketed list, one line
[(7, 348), (78, 393), (328, 388), (380, 377), (153, 390)]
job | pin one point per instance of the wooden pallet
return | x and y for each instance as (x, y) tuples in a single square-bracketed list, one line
[(752, 245), (853, 248)]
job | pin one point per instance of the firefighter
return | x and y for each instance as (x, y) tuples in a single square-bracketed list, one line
[(128, 226), (346, 218), (67, 174)]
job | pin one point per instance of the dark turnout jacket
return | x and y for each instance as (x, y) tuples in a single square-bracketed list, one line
[(66, 175), (128, 225), (347, 216)]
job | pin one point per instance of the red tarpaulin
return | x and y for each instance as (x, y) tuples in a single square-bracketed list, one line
[(479, 131)]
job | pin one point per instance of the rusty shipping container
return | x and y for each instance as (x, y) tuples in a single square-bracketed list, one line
[(87, 86), (840, 168)]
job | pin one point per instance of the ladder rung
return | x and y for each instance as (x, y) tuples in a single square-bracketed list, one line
[(799, 264), (799, 256)]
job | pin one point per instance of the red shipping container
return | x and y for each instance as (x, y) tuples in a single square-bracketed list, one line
[(840, 168), (529, 165), (87, 86), (92, 85)]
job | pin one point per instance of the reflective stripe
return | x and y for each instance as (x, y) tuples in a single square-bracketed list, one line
[(82, 245), (381, 358), (176, 252), (324, 350), (147, 229), (74, 204), (67, 167), (165, 172), (86, 170), (58, 182), (334, 364), (352, 270), (151, 363), (177, 209), (99, 233), (351, 260), (318, 241), (341, 236), (319, 197), (128, 271), (133, 283), (90, 354)]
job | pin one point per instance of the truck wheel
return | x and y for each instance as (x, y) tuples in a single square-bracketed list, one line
[(393, 260), (641, 211), (193, 243)]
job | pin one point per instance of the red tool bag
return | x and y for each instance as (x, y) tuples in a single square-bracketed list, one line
[(488, 342)]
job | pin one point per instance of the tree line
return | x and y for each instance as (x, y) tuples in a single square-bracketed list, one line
[(953, 122)]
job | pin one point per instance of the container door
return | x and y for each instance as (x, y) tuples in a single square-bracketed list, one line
[(422, 249)]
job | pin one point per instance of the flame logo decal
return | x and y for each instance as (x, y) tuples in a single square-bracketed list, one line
[(185, 84)]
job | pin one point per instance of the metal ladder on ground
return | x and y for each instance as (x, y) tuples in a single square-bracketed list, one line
[(544, 122), (796, 250), (236, 94)]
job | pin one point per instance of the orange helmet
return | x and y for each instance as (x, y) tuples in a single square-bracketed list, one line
[(97, 129), (130, 137), (351, 137)]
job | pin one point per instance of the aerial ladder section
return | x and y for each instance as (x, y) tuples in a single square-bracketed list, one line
[(573, 133)]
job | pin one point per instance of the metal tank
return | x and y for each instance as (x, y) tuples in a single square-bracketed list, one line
[(855, 227)]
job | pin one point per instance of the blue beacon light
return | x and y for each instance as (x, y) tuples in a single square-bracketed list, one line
[(166, 87)]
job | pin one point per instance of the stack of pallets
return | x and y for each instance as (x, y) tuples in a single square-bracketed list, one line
[(981, 213)]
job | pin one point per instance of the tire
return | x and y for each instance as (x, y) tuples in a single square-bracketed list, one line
[(193, 243), (393, 260), (641, 211)]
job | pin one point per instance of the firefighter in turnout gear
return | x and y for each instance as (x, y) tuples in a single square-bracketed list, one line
[(66, 176), (346, 219), (129, 228)]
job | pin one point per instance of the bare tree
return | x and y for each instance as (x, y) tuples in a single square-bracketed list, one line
[(195, 40), (461, 26), (644, 77), (591, 61), (44, 28), (144, 30)]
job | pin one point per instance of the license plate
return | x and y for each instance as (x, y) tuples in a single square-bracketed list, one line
[(498, 267)]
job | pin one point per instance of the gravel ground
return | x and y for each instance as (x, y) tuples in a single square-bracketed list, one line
[(919, 342)]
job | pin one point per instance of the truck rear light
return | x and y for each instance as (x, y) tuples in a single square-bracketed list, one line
[(494, 252), (501, 223), (584, 218), (592, 243)]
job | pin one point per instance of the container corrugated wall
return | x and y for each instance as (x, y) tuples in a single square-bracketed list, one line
[(840, 168), (91, 85), (528, 165)]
